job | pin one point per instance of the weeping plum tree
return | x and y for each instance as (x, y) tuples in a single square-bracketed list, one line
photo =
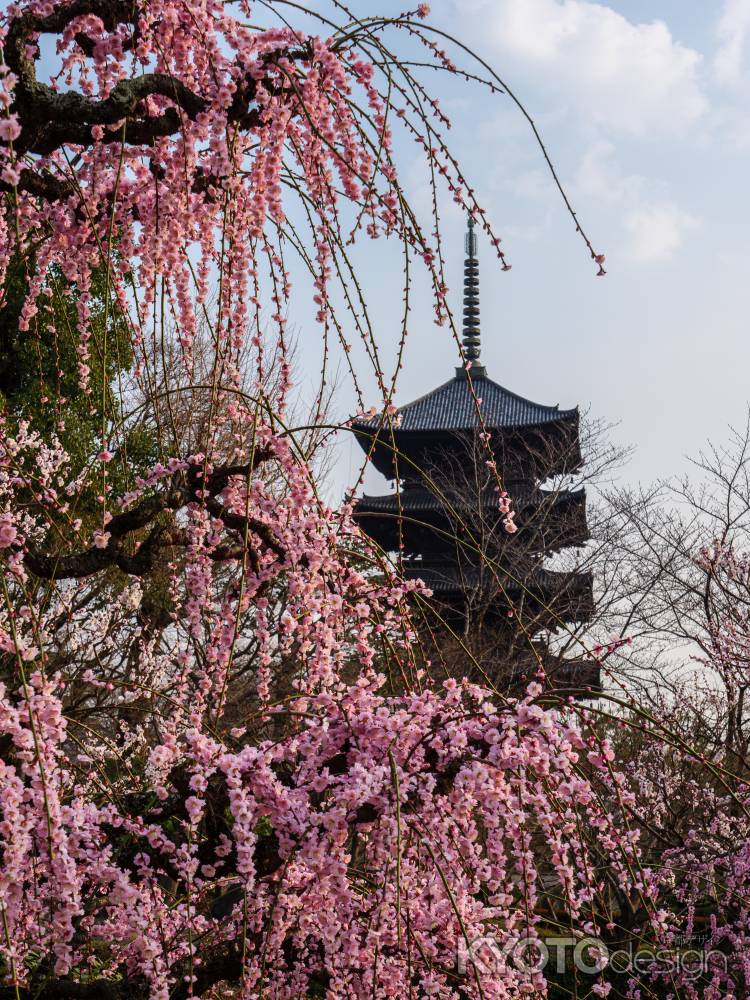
[(345, 828)]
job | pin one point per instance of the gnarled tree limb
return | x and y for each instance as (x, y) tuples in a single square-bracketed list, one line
[(184, 489), (51, 119)]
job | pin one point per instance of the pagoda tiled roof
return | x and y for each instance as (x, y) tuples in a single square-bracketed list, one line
[(543, 581), (421, 499), (566, 596), (451, 407)]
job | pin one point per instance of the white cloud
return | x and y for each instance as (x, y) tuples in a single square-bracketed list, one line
[(733, 32), (654, 226), (656, 231), (534, 185), (628, 77), (600, 176)]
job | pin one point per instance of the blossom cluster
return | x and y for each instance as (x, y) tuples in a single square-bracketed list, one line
[(223, 758), (366, 821)]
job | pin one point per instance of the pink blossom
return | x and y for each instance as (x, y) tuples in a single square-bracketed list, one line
[(8, 532), (271, 772), (101, 539), (9, 128)]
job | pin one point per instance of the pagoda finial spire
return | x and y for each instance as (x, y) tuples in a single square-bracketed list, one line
[(471, 339)]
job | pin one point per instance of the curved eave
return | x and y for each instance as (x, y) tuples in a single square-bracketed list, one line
[(452, 406), (415, 517), (409, 454), (554, 598), (523, 497)]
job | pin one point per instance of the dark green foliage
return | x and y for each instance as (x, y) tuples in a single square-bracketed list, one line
[(40, 382)]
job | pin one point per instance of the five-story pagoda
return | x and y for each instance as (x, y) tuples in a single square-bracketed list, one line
[(459, 456)]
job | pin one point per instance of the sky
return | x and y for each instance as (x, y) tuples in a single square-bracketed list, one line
[(645, 110)]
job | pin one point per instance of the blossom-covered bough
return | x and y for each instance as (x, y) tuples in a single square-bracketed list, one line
[(221, 765), (339, 838)]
